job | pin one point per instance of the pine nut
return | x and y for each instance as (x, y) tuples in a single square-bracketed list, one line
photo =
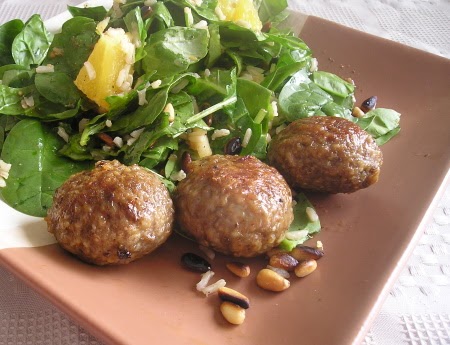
[(281, 271), (305, 268), (302, 252), (233, 313), (272, 281), (284, 261), (239, 269), (357, 112), (233, 296)]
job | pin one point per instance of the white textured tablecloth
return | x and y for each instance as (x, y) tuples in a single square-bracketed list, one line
[(417, 311)]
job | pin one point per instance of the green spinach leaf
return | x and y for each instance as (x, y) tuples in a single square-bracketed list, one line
[(269, 9), (58, 88), (36, 168), (8, 33), (183, 46), (96, 13), (30, 46), (332, 84), (381, 123)]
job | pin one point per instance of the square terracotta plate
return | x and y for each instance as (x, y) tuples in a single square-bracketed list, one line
[(367, 236)]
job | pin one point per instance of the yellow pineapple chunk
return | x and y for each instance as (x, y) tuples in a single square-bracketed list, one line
[(109, 69), (241, 12)]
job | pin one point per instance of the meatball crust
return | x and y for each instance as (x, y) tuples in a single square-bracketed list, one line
[(112, 214), (326, 154), (235, 205)]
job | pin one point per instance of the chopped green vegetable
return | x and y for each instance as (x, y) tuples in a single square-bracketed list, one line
[(381, 123)]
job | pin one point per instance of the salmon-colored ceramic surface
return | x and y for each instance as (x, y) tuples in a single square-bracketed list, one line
[(367, 235)]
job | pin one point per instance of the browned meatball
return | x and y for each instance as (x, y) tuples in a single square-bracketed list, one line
[(235, 205), (326, 154), (113, 214)]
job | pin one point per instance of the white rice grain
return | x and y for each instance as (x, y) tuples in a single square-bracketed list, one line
[(171, 111), (203, 283), (118, 141), (63, 134), (45, 69), (219, 133), (178, 176), (202, 24), (134, 135), (274, 108), (123, 75), (312, 214), (247, 137), (27, 102), (214, 287), (319, 245), (314, 65), (156, 84), (142, 100), (114, 32), (90, 70), (4, 171), (296, 235), (130, 141), (6, 167), (126, 86)]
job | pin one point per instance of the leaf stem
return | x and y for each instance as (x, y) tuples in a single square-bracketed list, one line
[(211, 109)]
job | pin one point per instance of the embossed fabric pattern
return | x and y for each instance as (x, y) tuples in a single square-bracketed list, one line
[(417, 310)]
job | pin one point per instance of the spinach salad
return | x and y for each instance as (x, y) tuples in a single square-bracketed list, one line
[(197, 71)]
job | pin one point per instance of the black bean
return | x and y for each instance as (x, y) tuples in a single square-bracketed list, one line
[(233, 146), (369, 104), (195, 262)]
